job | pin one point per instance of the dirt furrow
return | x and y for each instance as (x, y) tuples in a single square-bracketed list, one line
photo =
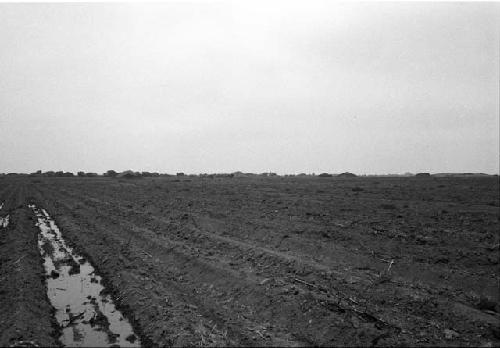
[(291, 298), (260, 264), (358, 238), (171, 304), (156, 242), (209, 275), (345, 245)]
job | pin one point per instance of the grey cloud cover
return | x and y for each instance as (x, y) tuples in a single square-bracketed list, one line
[(276, 86)]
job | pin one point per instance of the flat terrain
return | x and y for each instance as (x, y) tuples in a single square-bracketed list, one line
[(267, 261)]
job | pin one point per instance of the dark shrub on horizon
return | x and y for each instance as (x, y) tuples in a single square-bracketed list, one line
[(129, 174), (110, 173), (346, 175), (149, 174)]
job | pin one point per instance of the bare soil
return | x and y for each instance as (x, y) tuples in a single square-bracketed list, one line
[(267, 261)]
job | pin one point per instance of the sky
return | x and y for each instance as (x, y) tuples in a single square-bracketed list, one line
[(252, 86)]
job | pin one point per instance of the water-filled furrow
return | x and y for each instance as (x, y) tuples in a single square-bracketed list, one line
[(86, 314), (4, 221)]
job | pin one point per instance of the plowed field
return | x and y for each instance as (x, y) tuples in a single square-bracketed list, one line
[(266, 261)]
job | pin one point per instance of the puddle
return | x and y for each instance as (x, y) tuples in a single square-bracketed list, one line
[(4, 221), (86, 314)]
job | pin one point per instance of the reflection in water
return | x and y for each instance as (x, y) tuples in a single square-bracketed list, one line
[(87, 316), (4, 221)]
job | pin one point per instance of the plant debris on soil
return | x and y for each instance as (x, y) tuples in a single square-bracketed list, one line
[(263, 261)]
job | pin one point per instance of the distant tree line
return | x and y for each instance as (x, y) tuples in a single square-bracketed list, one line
[(136, 174), (51, 174)]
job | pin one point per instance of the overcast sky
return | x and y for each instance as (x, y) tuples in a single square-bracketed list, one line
[(253, 86)]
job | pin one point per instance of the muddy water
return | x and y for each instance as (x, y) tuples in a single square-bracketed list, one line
[(86, 314)]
